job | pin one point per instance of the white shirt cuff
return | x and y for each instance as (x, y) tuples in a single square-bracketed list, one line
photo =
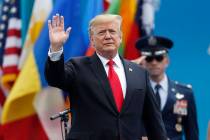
[(55, 56)]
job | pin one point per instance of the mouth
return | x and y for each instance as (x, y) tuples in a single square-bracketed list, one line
[(154, 69), (109, 43)]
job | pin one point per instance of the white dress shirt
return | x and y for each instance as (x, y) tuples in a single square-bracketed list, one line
[(55, 56), (118, 66), (163, 91), (119, 69)]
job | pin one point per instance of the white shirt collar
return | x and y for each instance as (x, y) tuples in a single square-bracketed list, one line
[(163, 83), (119, 69), (163, 90), (104, 60)]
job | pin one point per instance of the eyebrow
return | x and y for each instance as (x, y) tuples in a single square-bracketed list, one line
[(104, 30)]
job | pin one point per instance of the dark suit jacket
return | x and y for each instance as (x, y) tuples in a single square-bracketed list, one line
[(189, 121), (94, 113)]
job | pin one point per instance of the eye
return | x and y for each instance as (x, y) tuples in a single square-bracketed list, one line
[(112, 32), (101, 33)]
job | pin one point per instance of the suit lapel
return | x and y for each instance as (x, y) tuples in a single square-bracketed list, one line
[(100, 73), (128, 74)]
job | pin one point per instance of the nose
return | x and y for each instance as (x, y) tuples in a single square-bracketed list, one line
[(154, 61), (107, 35)]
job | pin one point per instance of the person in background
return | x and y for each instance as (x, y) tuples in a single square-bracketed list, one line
[(107, 102), (176, 101)]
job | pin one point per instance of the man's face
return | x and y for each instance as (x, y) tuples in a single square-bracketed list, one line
[(156, 65), (106, 38)]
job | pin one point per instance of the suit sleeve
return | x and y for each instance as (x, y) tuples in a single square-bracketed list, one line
[(58, 74), (190, 122), (154, 125)]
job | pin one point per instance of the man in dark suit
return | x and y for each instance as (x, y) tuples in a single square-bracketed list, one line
[(176, 101), (110, 97)]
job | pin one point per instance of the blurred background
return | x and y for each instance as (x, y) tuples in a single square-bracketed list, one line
[(187, 23), (26, 101)]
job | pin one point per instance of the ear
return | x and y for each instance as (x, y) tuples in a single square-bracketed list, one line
[(91, 40), (121, 35), (167, 61)]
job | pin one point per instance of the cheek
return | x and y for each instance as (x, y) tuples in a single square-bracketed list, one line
[(97, 41), (165, 66), (147, 65), (118, 40)]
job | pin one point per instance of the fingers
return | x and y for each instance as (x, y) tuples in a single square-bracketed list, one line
[(57, 33), (139, 60), (54, 21), (57, 21), (62, 22), (49, 25)]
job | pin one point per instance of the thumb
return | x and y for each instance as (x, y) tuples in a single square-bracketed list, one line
[(68, 30)]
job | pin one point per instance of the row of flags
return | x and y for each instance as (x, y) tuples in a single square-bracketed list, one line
[(26, 101)]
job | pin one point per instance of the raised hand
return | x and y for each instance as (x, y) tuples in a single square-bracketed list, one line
[(57, 34), (139, 60)]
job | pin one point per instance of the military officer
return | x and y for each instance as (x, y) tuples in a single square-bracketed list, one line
[(176, 101)]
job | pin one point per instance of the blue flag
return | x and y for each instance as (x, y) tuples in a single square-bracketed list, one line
[(76, 15)]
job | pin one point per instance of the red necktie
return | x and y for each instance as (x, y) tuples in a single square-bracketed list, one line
[(115, 85)]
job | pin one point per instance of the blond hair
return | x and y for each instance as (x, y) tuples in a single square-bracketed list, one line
[(103, 18)]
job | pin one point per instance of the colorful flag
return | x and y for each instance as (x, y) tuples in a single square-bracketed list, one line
[(18, 111), (130, 51), (23, 105), (3, 23), (44, 101), (25, 13), (2, 40), (12, 47), (20, 114), (40, 12), (3, 96), (3, 27), (129, 10)]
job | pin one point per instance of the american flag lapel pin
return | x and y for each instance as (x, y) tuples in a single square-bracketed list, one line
[(130, 69)]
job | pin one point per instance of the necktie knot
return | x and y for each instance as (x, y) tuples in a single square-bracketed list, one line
[(110, 63), (157, 87)]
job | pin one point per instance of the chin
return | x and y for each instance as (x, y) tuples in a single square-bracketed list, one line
[(154, 73), (110, 48)]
